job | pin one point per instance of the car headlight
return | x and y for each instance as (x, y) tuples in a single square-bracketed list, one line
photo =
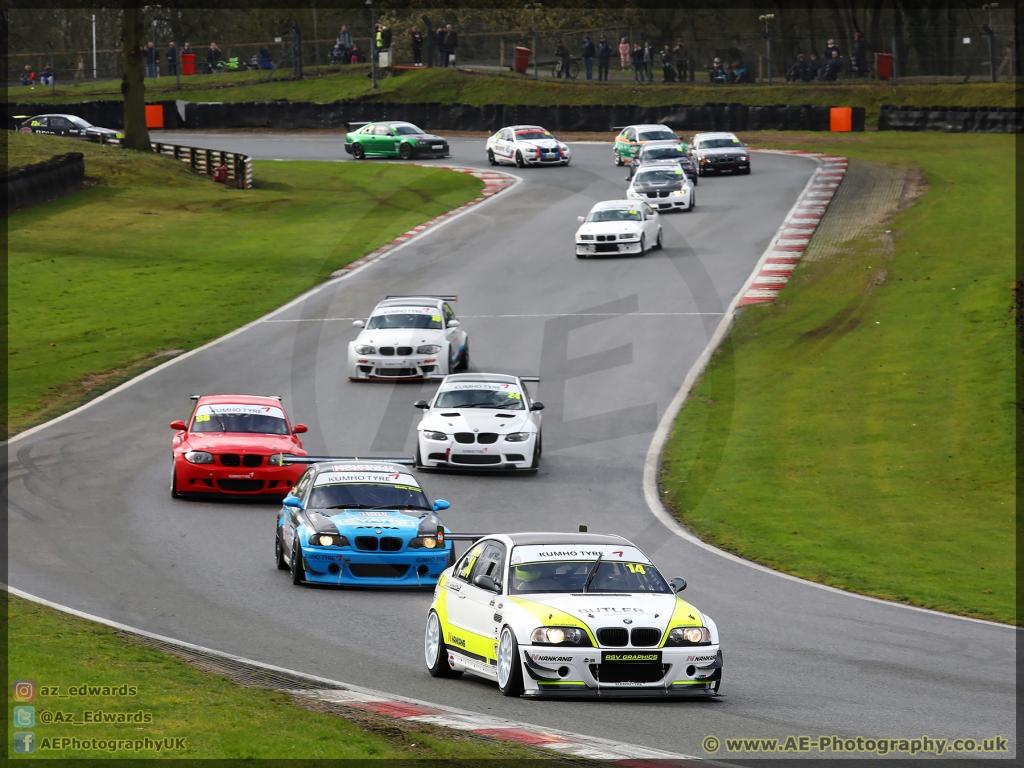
[(365, 349), (585, 237), (424, 542), (629, 236), (327, 540), (198, 457), (428, 349), (421, 143), (743, 158), (560, 636), (517, 437), (679, 193), (689, 636), (632, 193), (435, 435), (703, 159), (277, 459)]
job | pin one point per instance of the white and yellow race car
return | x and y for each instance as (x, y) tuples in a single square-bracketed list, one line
[(569, 615)]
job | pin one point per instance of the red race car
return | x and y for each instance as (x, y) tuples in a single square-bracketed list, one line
[(234, 445)]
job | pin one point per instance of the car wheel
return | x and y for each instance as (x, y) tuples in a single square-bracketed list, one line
[(643, 245), (537, 450), (566, 162), (618, 158), (435, 652), (279, 552), (298, 572), (658, 245), (490, 158), (510, 668), (419, 456), (405, 152), (463, 364), (519, 160), (693, 200), (357, 151), (174, 481)]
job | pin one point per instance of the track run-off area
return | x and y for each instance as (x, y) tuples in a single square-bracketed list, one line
[(92, 524)]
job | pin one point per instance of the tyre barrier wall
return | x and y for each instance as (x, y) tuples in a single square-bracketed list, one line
[(106, 114), (31, 184), (952, 119)]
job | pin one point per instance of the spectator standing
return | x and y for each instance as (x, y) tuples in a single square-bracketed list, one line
[(152, 61), (589, 52), (451, 43), (859, 61), (624, 55), (416, 40), (172, 59), (385, 37), (357, 54), (562, 54), (604, 57), (668, 70), (213, 58), (439, 46), (648, 60), (639, 69), (800, 70), (79, 71), (378, 41), (46, 77), (345, 41), (681, 60)]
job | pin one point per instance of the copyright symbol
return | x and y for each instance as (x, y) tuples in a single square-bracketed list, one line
[(46, 716), (711, 744)]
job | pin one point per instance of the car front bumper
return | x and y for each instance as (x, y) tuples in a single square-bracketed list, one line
[(668, 203), (356, 568), (725, 165), (432, 150), (576, 672), (546, 159), (235, 481), (592, 248), (392, 367), (500, 455)]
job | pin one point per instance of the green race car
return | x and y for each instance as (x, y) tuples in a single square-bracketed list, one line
[(632, 137), (394, 139)]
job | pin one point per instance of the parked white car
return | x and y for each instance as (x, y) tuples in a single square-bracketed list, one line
[(665, 187), (524, 145), (409, 337), (618, 226)]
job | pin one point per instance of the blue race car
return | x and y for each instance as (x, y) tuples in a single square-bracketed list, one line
[(361, 523)]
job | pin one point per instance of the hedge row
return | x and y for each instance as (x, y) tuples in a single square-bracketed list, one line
[(31, 184), (952, 119)]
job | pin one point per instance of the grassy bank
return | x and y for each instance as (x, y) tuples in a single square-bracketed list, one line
[(146, 263), (860, 432), (172, 700), (450, 86)]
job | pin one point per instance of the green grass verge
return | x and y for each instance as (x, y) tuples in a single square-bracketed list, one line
[(215, 717), (155, 259), (451, 86), (860, 432)]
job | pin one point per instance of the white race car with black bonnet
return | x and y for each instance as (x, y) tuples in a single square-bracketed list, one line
[(409, 337), (665, 187), (618, 226), (480, 421), (524, 145), (569, 615)]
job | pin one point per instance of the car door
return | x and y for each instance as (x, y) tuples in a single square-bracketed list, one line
[(631, 145), (389, 142), (40, 125), (507, 143), (60, 126), (460, 609), (482, 605), (650, 224), (293, 515), (454, 334)]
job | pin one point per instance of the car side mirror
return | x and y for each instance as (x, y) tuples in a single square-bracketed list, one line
[(453, 323), (293, 501), (179, 424), (423, 404), (298, 429), (581, 219), (537, 407), (359, 323), (486, 582), (678, 584), (441, 504)]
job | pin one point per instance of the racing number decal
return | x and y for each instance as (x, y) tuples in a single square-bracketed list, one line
[(636, 568), (203, 417)]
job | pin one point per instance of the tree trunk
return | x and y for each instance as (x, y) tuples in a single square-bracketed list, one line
[(133, 87)]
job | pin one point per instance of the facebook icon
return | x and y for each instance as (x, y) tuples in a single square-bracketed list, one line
[(24, 741)]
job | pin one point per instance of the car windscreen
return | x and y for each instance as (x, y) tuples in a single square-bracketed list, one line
[(505, 397), (571, 575), (366, 490), (406, 317), (79, 122), (659, 153), (250, 419), (660, 176), (407, 129), (720, 143), (659, 135), (615, 214), (532, 135)]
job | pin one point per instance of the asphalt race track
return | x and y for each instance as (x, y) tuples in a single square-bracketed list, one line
[(92, 524)]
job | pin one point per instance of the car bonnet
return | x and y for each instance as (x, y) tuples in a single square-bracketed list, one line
[(475, 420)]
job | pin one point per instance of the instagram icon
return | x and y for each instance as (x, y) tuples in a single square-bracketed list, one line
[(24, 690)]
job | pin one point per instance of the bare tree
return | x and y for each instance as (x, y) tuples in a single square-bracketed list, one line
[(133, 86)]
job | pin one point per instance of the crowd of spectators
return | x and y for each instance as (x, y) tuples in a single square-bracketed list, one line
[(832, 65)]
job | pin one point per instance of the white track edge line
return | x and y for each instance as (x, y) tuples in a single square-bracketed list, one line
[(459, 212), (381, 696), (652, 461)]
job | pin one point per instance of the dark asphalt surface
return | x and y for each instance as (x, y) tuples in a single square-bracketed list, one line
[(92, 524)]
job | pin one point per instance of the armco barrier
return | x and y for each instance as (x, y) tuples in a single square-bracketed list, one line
[(31, 184)]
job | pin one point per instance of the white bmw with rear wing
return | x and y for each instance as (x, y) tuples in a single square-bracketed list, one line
[(409, 337), (569, 615), (480, 421)]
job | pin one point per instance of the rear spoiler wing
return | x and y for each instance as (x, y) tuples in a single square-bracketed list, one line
[(286, 460), (441, 536), (356, 125), (272, 397), (422, 296)]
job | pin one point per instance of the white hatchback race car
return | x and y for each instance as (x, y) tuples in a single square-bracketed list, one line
[(569, 615), (665, 187), (409, 337), (618, 226), (524, 145), (480, 421)]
